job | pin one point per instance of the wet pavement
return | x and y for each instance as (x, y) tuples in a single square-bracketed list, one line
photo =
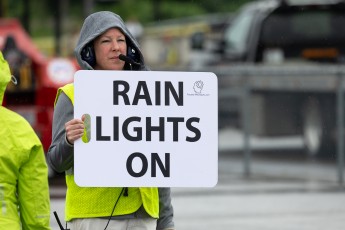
[(296, 193)]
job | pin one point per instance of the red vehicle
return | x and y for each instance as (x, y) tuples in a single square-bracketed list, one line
[(38, 78)]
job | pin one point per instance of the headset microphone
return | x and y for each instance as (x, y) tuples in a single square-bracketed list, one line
[(128, 60)]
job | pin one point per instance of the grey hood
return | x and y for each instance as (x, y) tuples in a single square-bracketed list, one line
[(95, 25)]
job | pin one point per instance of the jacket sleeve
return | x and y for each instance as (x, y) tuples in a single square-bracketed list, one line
[(60, 154), (166, 212), (33, 186)]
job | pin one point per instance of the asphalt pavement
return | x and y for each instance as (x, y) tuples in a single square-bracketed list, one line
[(294, 193)]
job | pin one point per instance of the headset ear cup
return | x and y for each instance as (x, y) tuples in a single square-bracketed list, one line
[(132, 52), (88, 55)]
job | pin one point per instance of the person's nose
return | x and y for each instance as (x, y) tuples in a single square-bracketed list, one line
[(116, 46)]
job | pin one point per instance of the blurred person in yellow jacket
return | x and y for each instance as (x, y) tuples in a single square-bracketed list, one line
[(24, 188)]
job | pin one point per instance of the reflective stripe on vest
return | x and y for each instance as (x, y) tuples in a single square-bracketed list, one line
[(84, 202)]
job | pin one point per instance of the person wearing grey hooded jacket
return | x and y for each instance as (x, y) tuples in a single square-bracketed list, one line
[(103, 38)]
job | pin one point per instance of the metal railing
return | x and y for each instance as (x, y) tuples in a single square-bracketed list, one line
[(247, 79)]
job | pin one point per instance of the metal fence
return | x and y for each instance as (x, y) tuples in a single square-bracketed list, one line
[(241, 82)]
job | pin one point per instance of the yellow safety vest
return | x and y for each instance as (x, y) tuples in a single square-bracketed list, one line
[(87, 202)]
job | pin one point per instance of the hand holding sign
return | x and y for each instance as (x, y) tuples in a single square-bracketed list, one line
[(74, 130)]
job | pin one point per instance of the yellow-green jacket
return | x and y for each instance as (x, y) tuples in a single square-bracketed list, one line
[(24, 190)]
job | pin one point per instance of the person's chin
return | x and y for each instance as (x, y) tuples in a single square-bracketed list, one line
[(115, 67)]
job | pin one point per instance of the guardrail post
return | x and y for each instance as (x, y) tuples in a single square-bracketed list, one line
[(246, 124), (340, 125)]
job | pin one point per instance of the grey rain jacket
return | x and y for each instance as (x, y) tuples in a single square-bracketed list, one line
[(60, 153)]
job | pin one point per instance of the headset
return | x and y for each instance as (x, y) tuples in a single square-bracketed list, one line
[(132, 53), (88, 54)]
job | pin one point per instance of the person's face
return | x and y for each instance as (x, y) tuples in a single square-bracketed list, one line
[(108, 46)]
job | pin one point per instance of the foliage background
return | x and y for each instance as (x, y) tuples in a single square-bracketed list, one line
[(41, 12), (40, 17)]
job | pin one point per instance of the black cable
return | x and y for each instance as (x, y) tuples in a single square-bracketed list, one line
[(59, 222), (118, 198)]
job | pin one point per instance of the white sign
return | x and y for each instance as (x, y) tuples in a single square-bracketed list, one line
[(148, 129)]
